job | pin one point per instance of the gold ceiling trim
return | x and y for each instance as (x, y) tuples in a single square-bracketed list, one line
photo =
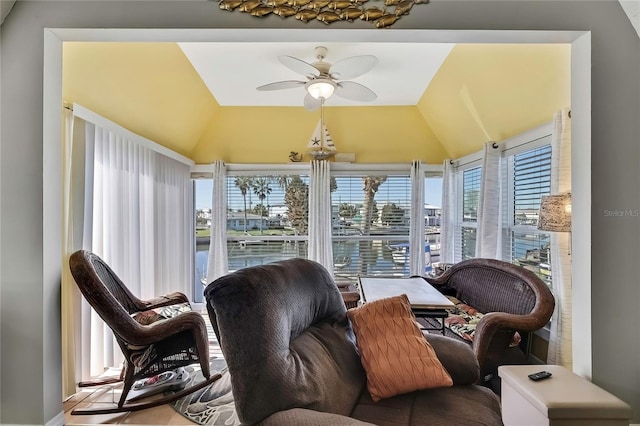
[(327, 11)]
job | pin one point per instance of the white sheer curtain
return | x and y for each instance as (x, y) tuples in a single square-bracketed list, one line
[(448, 223), (131, 205), (218, 258), (72, 240), (416, 229), (320, 246), (489, 213), (123, 209), (78, 320), (174, 224), (560, 341)]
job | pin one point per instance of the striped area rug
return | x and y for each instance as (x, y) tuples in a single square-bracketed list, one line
[(213, 404)]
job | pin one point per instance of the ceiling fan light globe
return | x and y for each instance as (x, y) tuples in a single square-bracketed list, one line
[(321, 88)]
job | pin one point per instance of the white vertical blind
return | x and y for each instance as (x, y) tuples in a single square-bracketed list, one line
[(136, 215)]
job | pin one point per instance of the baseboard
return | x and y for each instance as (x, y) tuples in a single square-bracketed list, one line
[(57, 420)]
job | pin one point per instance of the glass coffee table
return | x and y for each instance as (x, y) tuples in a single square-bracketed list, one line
[(426, 301)]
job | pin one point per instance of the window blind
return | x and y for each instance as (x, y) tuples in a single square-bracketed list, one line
[(370, 231), (530, 179), (466, 241)]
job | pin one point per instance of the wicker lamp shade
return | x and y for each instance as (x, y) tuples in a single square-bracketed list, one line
[(555, 213)]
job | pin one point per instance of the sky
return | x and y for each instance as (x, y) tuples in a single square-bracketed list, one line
[(433, 192)]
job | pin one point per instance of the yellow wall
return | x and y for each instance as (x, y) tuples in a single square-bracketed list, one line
[(493, 92), (148, 88), (268, 134), (481, 93)]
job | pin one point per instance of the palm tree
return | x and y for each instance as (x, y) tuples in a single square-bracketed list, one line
[(244, 183), (262, 189), (283, 181), (333, 184), (297, 201), (371, 184)]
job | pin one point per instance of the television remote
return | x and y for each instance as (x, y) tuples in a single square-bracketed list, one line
[(539, 375)]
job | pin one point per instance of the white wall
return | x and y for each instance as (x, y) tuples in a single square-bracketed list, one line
[(30, 247), (632, 9), (5, 8)]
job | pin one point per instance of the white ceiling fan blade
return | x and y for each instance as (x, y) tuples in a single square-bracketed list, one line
[(279, 85), (352, 67), (298, 65), (311, 103), (355, 92)]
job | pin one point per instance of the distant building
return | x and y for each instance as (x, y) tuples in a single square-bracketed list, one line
[(432, 215), (526, 217), (235, 221), (203, 218)]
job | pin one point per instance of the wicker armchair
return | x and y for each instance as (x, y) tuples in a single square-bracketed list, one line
[(149, 348), (511, 297)]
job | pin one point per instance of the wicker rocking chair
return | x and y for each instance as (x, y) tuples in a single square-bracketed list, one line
[(149, 348)]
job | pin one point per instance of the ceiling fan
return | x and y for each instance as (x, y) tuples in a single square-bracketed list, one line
[(325, 79)]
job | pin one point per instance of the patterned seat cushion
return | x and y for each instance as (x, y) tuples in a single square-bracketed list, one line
[(161, 313), (144, 355), (463, 320)]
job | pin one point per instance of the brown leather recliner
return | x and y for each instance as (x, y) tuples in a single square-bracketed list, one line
[(292, 357)]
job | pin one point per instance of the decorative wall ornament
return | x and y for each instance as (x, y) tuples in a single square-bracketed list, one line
[(295, 157), (381, 13), (321, 145)]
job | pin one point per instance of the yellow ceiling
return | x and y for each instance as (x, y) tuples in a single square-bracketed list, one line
[(148, 88), (481, 93), (268, 134), (493, 92)]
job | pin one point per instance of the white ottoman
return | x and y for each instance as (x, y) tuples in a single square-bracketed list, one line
[(564, 399)]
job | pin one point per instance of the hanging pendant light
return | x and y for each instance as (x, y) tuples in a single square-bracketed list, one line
[(321, 88)]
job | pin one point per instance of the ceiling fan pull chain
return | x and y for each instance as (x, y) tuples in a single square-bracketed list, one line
[(321, 123)]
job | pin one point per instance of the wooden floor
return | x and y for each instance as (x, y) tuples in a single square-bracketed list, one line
[(106, 396)]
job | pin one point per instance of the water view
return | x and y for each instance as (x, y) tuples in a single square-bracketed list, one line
[(351, 258)]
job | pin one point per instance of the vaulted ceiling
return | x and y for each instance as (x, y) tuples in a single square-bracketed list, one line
[(435, 101)]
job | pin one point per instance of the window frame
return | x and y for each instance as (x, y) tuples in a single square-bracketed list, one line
[(527, 141), (337, 169), (462, 165), (362, 170), (522, 143)]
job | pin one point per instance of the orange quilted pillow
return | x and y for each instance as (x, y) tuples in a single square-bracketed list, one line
[(395, 355)]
